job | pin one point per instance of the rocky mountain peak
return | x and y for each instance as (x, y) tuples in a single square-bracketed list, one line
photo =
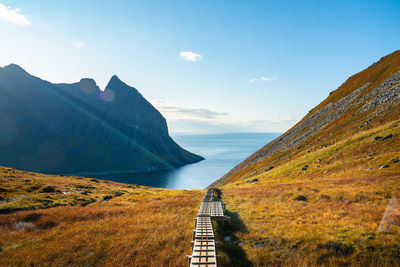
[(77, 128), (116, 82), (15, 69), (118, 87), (88, 85)]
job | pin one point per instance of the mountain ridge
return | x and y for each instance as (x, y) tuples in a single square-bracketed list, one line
[(93, 131), (346, 107), (325, 193)]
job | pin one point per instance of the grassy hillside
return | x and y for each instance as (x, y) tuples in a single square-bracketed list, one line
[(333, 222), (329, 214), (357, 105), (317, 195), (51, 220)]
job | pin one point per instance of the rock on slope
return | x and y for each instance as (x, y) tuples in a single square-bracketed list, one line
[(77, 128), (366, 100)]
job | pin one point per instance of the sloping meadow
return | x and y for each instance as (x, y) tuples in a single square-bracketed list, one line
[(58, 221), (333, 206)]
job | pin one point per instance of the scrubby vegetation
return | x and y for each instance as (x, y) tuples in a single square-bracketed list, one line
[(337, 225), (56, 221), (328, 213)]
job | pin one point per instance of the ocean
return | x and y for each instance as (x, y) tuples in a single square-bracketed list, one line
[(222, 152)]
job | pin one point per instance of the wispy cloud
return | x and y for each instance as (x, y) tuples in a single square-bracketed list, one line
[(190, 56), (263, 79), (277, 120), (199, 113), (230, 126), (78, 44), (174, 112), (13, 15), (202, 120)]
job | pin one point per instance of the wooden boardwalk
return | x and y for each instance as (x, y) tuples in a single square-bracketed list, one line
[(204, 253)]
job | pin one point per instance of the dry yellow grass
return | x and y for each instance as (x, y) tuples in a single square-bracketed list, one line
[(328, 214), (138, 226), (358, 154), (337, 224)]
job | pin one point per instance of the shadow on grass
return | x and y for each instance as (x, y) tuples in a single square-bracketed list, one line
[(229, 249), (217, 193)]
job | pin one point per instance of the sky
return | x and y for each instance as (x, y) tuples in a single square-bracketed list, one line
[(207, 66)]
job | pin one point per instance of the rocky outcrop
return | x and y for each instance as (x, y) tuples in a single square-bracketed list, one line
[(387, 93), (77, 128)]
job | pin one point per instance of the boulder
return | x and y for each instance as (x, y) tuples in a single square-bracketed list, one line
[(300, 198), (387, 136), (395, 160)]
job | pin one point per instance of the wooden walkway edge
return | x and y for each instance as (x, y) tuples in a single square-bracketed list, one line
[(203, 252)]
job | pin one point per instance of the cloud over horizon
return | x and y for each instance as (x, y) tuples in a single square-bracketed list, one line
[(13, 15), (187, 126), (190, 56), (173, 112), (263, 79), (276, 120), (201, 120), (78, 44)]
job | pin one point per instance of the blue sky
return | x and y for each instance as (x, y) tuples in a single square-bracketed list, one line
[(208, 66)]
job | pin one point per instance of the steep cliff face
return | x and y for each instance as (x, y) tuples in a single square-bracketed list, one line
[(365, 101), (77, 128)]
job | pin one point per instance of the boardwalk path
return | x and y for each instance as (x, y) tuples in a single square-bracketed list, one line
[(204, 253)]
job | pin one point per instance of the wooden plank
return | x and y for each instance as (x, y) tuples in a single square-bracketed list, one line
[(210, 252), (203, 252)]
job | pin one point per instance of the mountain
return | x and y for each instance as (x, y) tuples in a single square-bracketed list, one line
[(367, 100), (77, 128), (325, 193)]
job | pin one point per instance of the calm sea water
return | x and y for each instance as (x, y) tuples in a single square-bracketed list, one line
[(222, 152)]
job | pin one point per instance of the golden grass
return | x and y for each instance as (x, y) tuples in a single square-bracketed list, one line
[(328, 214), (347, 156), (336, 225), (138, 226), (344, 158)]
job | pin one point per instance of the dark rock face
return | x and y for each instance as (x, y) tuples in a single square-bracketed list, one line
[(77, 128)]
